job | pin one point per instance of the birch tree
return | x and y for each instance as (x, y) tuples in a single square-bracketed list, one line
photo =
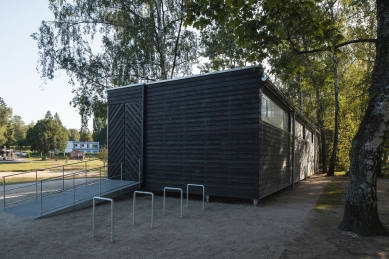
[(104, 44)]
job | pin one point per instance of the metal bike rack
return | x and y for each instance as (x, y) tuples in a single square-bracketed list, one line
[(187, 192), (164, 194), (152, 206), (93, 218)]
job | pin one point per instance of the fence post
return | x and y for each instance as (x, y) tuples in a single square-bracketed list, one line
[(106, 174), (4, 189), (74, 190), (100, 183), (121, 173), (41, 196), (36, 184), (63, 178)]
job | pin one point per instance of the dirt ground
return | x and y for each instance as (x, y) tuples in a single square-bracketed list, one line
[(284, 225)]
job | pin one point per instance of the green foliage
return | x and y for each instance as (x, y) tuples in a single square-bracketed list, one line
[(5, 115), (85, 135), (133, 42), (73, 135), (9, 134), (48, 115), (220, 47), (47, 135), (103, 154), (278, 30), (100, 131), (20, 130)]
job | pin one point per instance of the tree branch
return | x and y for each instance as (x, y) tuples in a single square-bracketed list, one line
[(336, 46)]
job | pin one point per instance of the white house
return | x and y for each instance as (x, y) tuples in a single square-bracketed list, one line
[(83, 146)]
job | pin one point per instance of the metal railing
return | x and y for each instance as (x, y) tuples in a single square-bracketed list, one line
[(24, 190), (70, 182), (67, 182)]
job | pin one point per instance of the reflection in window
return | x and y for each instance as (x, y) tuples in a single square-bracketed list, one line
[(274, 114), (308, 136), (299, 130)]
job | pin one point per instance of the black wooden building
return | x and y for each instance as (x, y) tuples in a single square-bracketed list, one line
[(231, 131)]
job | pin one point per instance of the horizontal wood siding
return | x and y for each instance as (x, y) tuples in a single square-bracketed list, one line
[(123, 95), (300, 159), (275, 159), (204, 130)]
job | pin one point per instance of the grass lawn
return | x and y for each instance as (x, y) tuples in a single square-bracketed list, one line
[(38, 164)]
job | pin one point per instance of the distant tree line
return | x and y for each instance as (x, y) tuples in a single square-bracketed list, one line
[(47, 134)]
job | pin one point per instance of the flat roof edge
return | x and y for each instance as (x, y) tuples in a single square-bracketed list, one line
[(187, 77)]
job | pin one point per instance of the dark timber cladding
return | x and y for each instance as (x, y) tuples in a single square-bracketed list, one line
[(204, 129)]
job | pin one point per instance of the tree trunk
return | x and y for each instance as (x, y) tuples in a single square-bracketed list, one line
[(161, 39), (320, 121), (361, 213), (331, 170), (378, 169)]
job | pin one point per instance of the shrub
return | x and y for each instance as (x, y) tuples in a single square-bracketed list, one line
[(103, 154)]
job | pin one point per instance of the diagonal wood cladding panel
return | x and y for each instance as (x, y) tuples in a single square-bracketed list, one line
[(133, 139), (115, 140)]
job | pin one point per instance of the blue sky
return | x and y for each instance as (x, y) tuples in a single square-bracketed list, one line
[(20, 84)]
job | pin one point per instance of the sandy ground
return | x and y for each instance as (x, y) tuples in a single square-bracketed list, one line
[(283, 225)]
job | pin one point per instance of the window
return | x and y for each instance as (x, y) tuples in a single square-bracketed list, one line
[(308, 136), (299, 130), (74, 145), (274, 114), (87, 145), (82, 145), (94, 146)]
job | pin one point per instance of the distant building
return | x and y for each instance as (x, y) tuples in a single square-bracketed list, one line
[(83, 146)]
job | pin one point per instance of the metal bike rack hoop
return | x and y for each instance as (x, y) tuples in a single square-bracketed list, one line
[(164, 194), (152, 206), (187, 192), (112, 213)]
